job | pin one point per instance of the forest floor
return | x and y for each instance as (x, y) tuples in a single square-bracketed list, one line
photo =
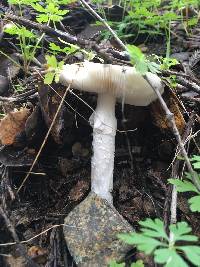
[(35, 199)]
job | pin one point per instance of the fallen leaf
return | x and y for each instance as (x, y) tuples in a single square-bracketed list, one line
[(159, 116), (79, 190), (12, 125), (38, 254)]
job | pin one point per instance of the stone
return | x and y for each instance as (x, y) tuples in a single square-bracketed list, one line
[(91, 230)]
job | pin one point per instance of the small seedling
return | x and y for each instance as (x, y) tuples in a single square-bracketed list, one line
[(170, 250), (54, 68), (50, 12), (27, 40), (140, 61)]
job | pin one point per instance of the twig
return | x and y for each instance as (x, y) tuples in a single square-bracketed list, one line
[(102, 52), (41, 233), (173, 207), (172, 123), (19, 246), (175, 169), (20, 97), (105, 23), (191, 85)]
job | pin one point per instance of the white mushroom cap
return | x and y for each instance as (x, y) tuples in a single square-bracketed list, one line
[(123, 81)]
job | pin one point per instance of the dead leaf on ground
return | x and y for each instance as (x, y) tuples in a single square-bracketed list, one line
[(12, 125), (79, 190), (159, 115), (38, 254)]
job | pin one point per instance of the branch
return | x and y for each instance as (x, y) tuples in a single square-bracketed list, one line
[(170, 118), (102, 52), (105, 23), (19, 246)]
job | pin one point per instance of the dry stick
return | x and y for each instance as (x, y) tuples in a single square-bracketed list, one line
[(83, 43), (191, 85), (45, 139), (41, 233), (175, 168), (105, 23), (173, 206), (29, 262), (18, 98), (170, 118)]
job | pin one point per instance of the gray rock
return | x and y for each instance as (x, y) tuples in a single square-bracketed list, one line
[(91, 232)]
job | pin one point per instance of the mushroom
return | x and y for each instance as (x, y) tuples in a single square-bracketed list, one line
[(110, 82)]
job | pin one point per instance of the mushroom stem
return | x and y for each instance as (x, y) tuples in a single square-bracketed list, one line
[(104, 130)]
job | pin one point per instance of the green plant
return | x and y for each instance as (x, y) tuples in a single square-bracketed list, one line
[(138, 263), (18, 88), (150, 18), (186, 185), (50, 12), (27, 40), (54, 68), (140, 61), (70, 49), (171, 250), (154, 63), (22, 2)]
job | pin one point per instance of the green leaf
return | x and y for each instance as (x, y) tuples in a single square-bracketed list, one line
[(26, 33), (60, 64), (139, 60), (12, 30), (183, 186), (48, 78), (192, 253), (180, 230), (55, 47), (167, 252), (142, 242), (196, 164), (138, 263), (194, 203), (135, 53), (168, 62), (67, 50), (39, 8), (49, 13), (115, 264), (51, 61), (153, 67), (169, 257), (20, 31), (157, 225), (192, 21), (195, 158), (42, 18), (22, 2)]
